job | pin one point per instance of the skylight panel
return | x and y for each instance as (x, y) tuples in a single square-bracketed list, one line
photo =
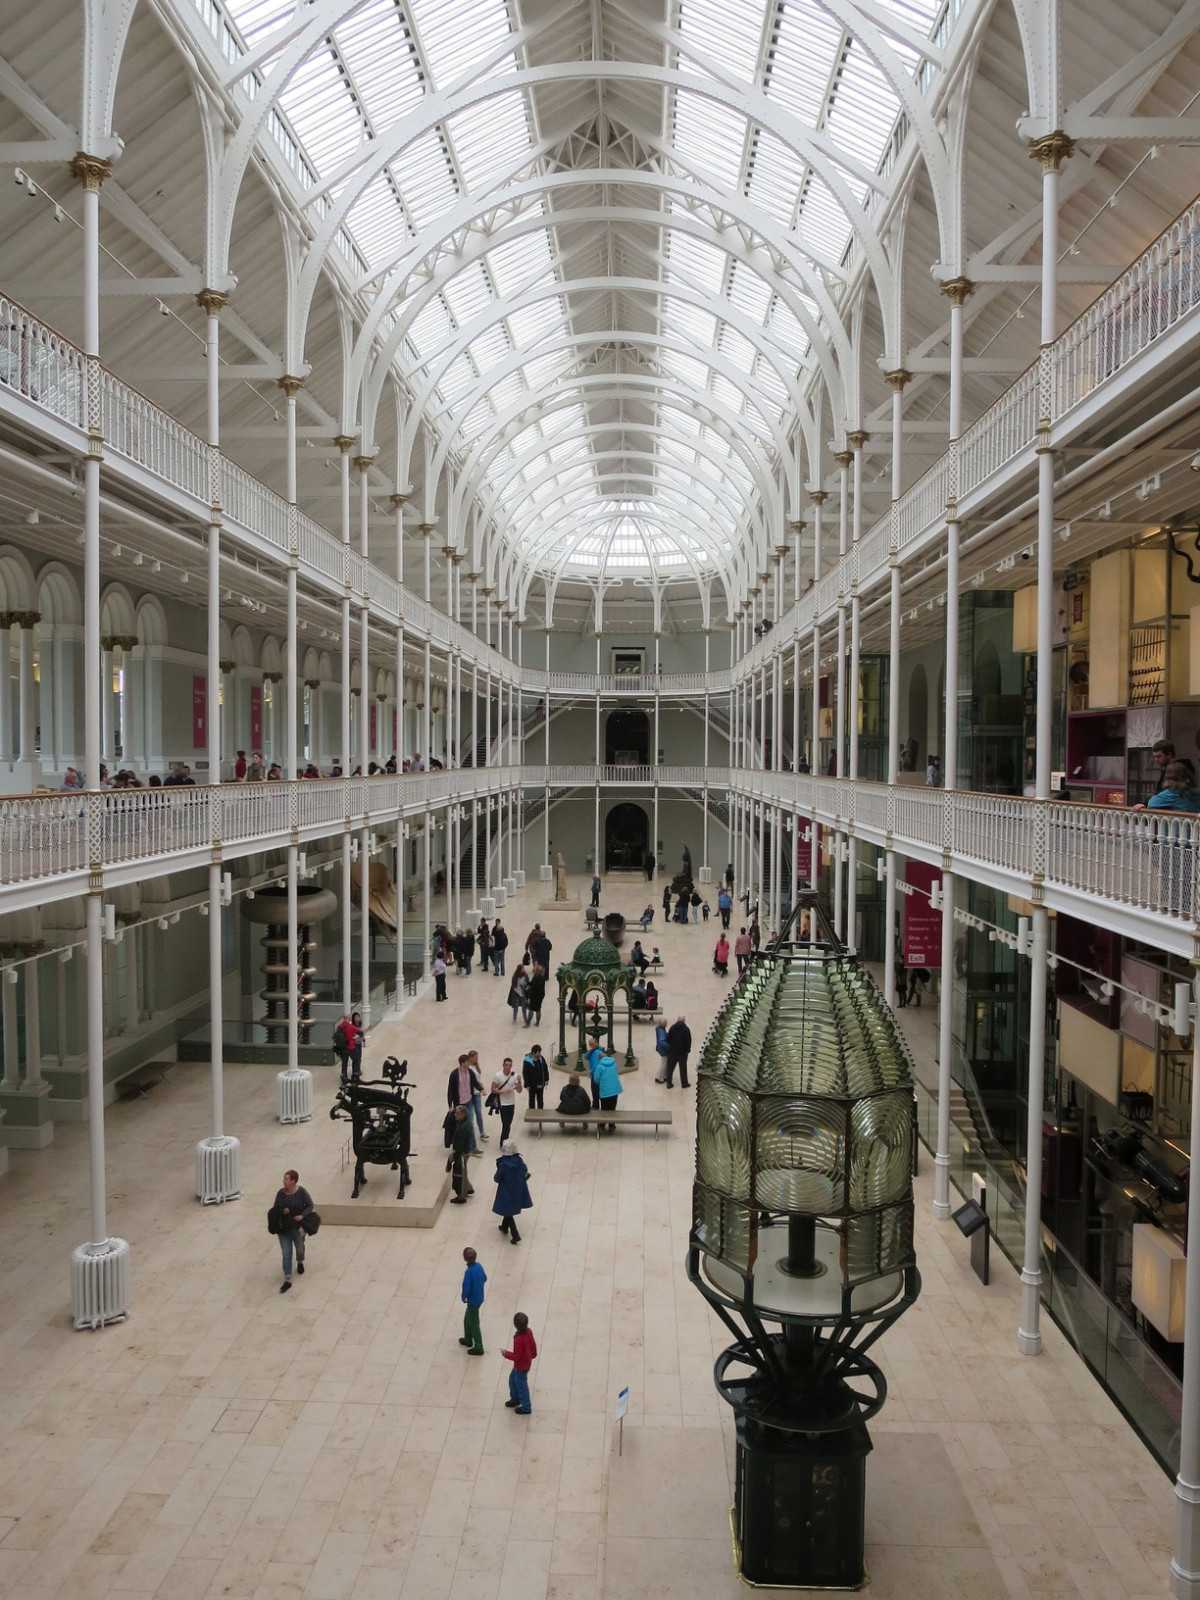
[(426, 183), (379, 225), (688, 368), (769, 381), (455, 35), (863, 109), (749, 293), (787, 331), (377, 49), (518, 262), (487, 138), (468, 292), (736, 349), (776, 177), (489, 348), (699, 265), (728, 31), (531, 324), (728, 393), (804, 54), (323, 114), (458, 377), (258, 19), (692, 323), (509, 389), (431, 330), (824, 221), (711, 137)]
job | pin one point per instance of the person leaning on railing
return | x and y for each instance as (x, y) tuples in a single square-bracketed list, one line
[(1179, 791)]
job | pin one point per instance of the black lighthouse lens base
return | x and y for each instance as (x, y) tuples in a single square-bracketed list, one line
[(800, 1506)]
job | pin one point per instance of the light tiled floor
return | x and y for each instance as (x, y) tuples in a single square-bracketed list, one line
[(336, 1443)]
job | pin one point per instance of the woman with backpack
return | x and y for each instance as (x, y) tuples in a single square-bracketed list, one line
[(485, 945)]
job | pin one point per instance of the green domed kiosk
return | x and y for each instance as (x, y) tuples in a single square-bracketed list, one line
[(596, 969)]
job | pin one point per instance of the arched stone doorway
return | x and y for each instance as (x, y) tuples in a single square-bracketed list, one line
[(626, 838), (627, 739)]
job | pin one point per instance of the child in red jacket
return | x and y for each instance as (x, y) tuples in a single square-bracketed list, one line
[(522, 1354)]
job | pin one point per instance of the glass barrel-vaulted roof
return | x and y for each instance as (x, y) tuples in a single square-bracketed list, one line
[(621, 237)]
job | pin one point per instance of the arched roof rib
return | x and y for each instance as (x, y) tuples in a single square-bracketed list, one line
[(602, 386), (828, 339), (720, 545), (708, 276)]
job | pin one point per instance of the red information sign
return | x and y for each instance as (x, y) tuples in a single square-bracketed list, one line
[(922, 924), (256, 711), (199, 711), (804, 849)]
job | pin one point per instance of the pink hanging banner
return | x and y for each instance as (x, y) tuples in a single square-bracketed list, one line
[(922, 924), (199, 711)]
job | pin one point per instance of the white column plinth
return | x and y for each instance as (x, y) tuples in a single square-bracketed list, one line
[(294, 1095), (100, 1283), (219, 1169)]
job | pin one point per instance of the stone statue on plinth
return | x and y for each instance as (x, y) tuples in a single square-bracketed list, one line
[(560, 879)]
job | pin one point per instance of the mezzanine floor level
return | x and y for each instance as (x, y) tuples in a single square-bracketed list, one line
[(1137, 873)]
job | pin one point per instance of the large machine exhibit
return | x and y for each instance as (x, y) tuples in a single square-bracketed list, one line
[(802, 1242)]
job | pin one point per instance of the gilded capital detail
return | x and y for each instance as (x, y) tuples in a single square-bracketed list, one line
[(843, 458), (344, 443), (957, 290), (857, 439), (898, 378), (91, 171), (1052, 150), (290, 386), (212, 302)]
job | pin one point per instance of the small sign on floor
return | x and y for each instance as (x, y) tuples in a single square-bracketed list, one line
[(621, 1413)]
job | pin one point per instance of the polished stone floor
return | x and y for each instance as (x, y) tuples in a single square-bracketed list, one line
[(336, 1443)]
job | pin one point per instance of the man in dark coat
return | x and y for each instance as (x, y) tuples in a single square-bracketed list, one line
[(679, 1044)]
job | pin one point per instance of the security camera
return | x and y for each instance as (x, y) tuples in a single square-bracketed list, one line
[(163, 310), (19, 176), (1194, 463), (1025, 554)]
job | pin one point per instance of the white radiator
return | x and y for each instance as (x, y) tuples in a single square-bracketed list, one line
[(487, 905), (100, 1283), (705, 875), (473, 916), (294, 1095), (545, 874), (500, 893), (218, 1170), (510, 886), (519, 877)]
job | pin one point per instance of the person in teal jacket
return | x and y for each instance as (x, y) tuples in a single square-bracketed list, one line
[(606, 1084), (1176, 793)]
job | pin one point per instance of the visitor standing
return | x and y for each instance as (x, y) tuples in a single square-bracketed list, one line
[(596, 889), (679, 1044), (460, 1092), (536, 1070), (591, 1059), (461, 1139), (535, 996), (607, 1083), (438, 971), (512, 1190), (485, 945), (522, 1356), (499, 946), (474, 1279), (742, 949)]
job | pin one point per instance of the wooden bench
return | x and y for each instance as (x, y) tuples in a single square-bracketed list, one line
[(567, 1119), (136, 1085), (640, 1014)]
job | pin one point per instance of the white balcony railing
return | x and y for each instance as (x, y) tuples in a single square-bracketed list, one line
[(1145, 861)]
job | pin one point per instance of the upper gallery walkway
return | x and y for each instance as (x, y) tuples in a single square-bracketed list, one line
[(1137, 873), (1144, 325)]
